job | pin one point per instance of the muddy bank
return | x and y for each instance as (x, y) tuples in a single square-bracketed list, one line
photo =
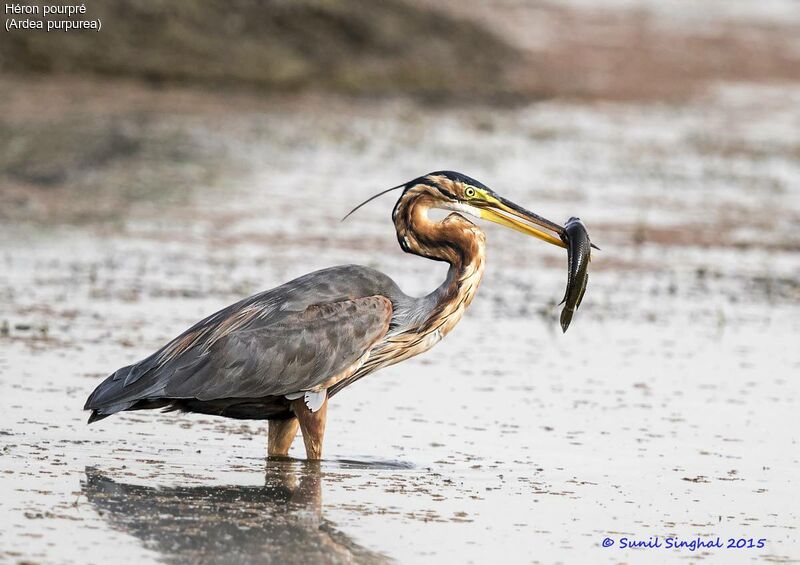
[(640, 49), (345, 46), (447, 52)]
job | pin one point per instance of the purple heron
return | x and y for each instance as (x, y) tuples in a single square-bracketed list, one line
[(280, 355)]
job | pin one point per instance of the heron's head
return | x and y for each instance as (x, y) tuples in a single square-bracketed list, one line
[(449, 190)]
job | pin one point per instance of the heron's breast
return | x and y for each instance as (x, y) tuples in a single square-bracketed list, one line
[(410, 343)]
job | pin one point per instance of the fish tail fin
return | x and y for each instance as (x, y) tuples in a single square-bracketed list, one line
[(566, 318)]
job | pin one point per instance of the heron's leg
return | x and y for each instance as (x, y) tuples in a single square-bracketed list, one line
[(312, 425), (281, 435)]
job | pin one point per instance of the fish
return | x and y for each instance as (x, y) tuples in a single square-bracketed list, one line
[(579, 253)]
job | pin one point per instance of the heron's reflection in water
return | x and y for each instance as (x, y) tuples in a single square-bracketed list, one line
[(280, 522)]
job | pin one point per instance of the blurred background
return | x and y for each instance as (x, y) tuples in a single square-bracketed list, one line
[(191, 153)]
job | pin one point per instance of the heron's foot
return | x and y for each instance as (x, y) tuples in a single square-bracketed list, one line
[(312, 424), (281, 436)]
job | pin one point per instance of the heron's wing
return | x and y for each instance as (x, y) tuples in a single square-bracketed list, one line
[(298, 353), (245, 354)]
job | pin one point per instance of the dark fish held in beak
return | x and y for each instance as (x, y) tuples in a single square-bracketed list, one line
[(579, 253)]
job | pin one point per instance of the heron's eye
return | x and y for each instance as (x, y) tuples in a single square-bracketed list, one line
[(470, 192)]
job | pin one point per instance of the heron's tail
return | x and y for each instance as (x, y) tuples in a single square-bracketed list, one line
[(105, 400), (111, 396), (95, 416)]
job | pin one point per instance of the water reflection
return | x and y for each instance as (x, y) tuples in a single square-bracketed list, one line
[(280, 522)]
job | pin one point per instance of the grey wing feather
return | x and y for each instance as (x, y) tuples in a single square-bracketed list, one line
[(291, 336), (299, 353)]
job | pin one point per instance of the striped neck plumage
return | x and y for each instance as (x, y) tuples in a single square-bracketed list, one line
[(454, 240)]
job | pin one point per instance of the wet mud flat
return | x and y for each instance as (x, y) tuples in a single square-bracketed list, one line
[(668, 409)]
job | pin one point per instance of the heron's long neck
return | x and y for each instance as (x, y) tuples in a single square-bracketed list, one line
[(454, 240)]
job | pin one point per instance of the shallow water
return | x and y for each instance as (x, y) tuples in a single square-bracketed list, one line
[(668, 409)]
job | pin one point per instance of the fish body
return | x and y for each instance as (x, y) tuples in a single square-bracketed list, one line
[(579, 253)]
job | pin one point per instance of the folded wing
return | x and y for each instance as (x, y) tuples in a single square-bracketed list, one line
[(240, 353)]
